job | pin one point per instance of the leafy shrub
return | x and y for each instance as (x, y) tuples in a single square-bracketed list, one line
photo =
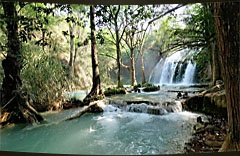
[(43, 76)]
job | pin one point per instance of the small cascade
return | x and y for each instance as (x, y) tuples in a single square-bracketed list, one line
[(189, 73), (174, 69), (157, 110), (169, 107)]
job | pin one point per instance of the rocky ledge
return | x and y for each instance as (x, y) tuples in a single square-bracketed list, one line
[(211, 102)]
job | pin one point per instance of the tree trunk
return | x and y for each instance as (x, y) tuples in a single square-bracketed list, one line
[(96, 88), (227, 28), (75, 54), (15, 108), (118, 54), (133, 72), (70, 66), (142, 68), (216, 64), (43, 39)]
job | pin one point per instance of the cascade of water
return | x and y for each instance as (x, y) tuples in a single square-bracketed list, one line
[(165, 70), (169, 67), (157, 71), (158, 110), (178, 78), (189, 73)]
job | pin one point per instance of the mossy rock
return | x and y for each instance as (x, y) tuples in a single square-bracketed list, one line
[(137, 86), (210, 103), (151, 88), (144, 85), (148, 85), (114, 91)]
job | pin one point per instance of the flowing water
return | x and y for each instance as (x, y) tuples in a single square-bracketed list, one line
[(111, 132), (174, 69), (115, 131), (189, 73)]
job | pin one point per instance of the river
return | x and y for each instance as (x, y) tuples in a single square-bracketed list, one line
[(115, 131)]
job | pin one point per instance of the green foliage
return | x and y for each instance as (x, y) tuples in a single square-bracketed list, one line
[(160, 39), (114, 91), (147, 87), (198, 34), (43, 76), (203, 59), (199, 31), (107, 59)]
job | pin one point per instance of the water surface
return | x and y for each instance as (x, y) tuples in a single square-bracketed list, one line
[(111, 132)]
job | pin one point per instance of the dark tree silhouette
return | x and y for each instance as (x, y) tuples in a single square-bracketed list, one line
[(14, 106), (227, 25)]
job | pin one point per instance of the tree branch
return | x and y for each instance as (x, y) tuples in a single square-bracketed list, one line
[(125, 66), (169, 11), (107, 55), (109, 29)]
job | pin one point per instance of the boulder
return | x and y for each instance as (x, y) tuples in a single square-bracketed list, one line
[(211, 102)]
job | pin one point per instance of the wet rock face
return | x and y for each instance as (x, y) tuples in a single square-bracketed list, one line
[(212, 101)]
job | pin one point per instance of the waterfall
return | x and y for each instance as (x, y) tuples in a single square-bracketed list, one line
[(157, 71), (189, 73), (174, 69)]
